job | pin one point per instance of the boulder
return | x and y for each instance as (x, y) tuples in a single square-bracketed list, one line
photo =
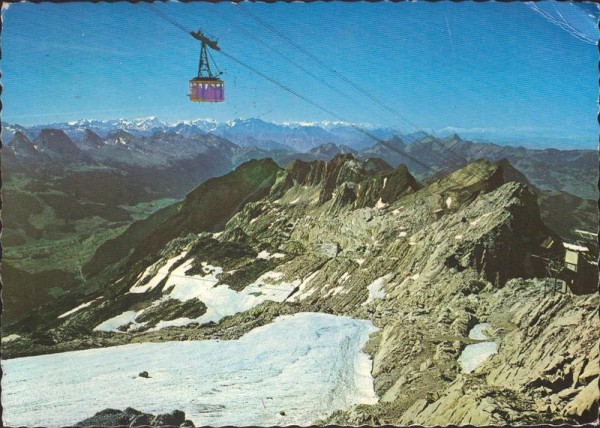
[(108, 417), (134, 418), (175, 418), (141, 420), (584, 407)]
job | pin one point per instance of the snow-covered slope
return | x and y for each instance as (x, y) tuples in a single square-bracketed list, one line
[(294, 371)]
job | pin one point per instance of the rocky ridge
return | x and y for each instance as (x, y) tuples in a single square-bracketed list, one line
[(424, 262)]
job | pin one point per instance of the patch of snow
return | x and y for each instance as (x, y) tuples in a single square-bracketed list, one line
[(295, 201), (334, 291), (220, 300), (272, 276), (267, 256), (375, 289), (477, 332), (359, 261), (402, 234), (113, 324), (308, 364), (302, 294), (380, 204), (415, 276), (78, 308), (448, 202), (384, 183), (162, 273), (217, 234), (10, 338), (253, 220), (398, 210), (473, 355), (344, 277), (185, 287), (306, 294), (459, 237)]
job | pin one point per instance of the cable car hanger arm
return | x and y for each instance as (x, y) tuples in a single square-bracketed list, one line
[(210, 43)]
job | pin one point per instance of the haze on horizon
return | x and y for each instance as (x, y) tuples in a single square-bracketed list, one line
[(497, 71)]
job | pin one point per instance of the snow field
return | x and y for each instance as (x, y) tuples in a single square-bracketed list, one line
[(221, 301), (307, 365)]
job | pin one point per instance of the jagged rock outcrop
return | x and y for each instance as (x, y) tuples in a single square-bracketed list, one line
[(134, 418)]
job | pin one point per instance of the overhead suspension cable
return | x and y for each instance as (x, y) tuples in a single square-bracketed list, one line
[(326, 110), (328, 67), (313, 103), (319, 79), (346, 80), (287, 58), (166, 17)]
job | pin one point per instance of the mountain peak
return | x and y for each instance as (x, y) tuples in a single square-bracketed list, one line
[(329, 150), (121, 137), (396, 141), (92, 139), (21, 136), (56, 141), (377, 166), (22, 145)]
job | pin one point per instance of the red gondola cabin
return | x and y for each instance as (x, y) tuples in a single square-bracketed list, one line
[(207, 89)]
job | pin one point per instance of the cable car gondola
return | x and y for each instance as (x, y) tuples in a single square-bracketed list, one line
[(206, 87)]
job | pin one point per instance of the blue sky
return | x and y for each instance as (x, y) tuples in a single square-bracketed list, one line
[(504, 68)]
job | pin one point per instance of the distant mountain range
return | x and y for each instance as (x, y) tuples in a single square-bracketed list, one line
[(243, 132), (149, 142), (303, 136)]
